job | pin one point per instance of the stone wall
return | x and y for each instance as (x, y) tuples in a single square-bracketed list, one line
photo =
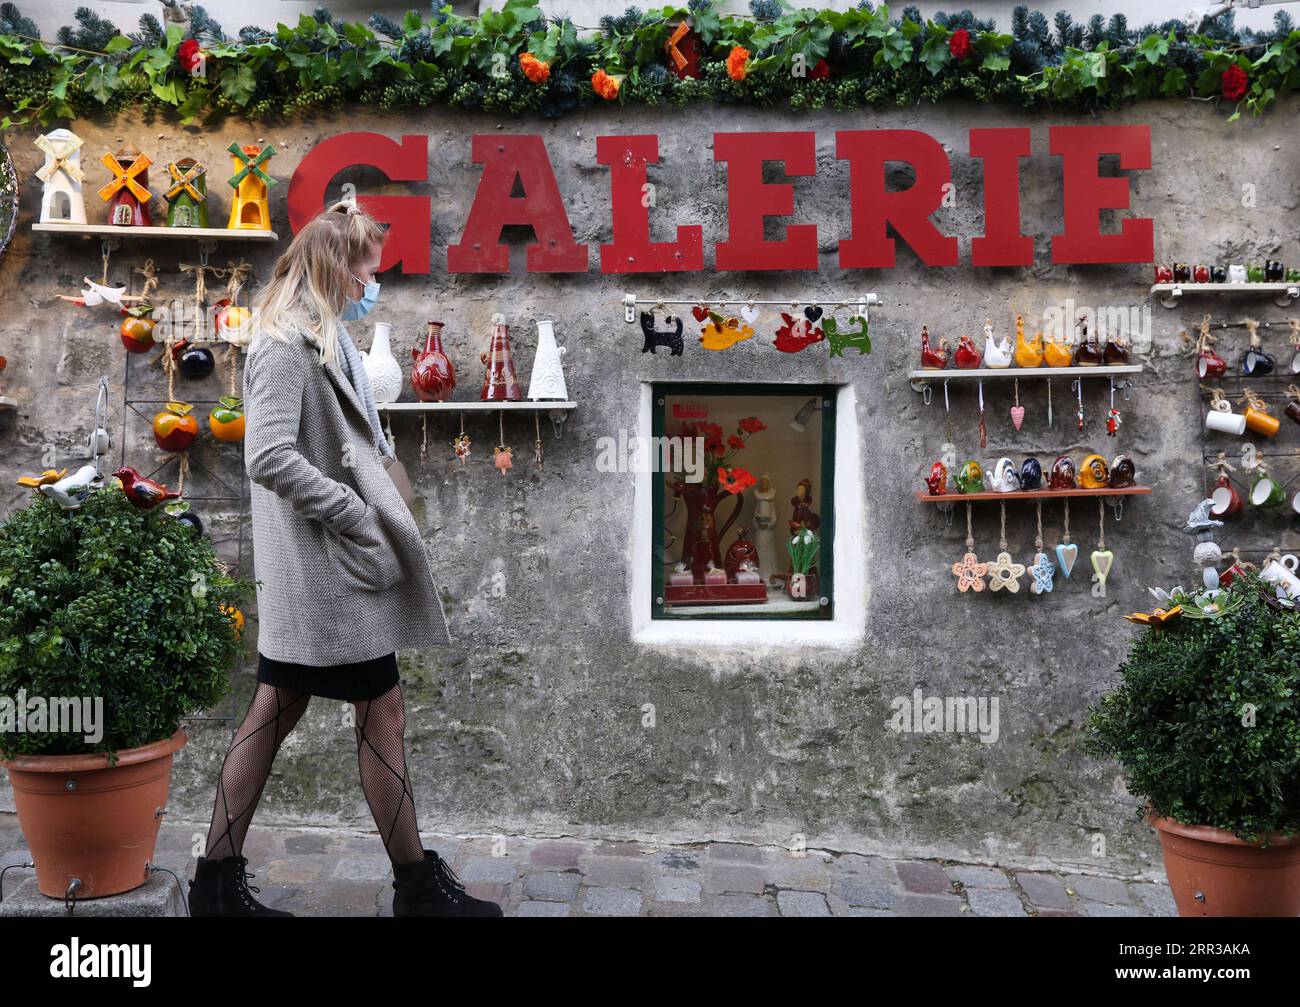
[(531, 720)]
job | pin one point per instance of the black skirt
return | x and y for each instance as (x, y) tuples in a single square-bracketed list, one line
[(351, 682)]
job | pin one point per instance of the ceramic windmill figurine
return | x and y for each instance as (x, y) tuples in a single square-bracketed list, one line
[(187, 198), (127, 195), (249, 209), (61, 177)]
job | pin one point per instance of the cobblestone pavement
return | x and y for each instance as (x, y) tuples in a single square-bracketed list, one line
[(319, 872)]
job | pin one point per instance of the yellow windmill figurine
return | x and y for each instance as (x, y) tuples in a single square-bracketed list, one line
[(249, 209)]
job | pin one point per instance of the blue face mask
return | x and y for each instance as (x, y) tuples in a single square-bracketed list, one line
[(359, 309)]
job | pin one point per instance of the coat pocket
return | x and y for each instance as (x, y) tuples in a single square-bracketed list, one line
[(364, 555)]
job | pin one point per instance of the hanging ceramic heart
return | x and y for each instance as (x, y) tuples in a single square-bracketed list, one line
[(700, 312), (1017, 416), (1066, 554), (749, 314), (812, 312), (1102, 559)]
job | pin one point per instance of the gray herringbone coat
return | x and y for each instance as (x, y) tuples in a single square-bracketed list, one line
[(344, 573)]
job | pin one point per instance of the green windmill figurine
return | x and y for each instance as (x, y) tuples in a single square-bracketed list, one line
[(249, 209), (187, 199)]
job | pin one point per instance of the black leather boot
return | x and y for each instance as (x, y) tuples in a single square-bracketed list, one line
[(221, 888), (430, 888)]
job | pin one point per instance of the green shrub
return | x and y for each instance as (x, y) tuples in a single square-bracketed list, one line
[(107, 600), (1206, 721)]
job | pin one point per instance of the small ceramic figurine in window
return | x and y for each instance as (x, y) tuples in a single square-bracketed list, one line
[(765, 523)]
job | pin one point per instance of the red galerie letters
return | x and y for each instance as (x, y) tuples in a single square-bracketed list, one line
[(873, 208)]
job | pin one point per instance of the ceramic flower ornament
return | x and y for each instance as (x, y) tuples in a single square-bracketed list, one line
[(970, 573), (1043, 572), (1005, 573)]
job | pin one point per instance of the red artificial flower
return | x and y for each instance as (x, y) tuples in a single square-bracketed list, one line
[(1235, 83), (959, 44), (752, 425), (189, 55), (736, 62), (736, 443), (536, 70), (713, 432), (606, 85), (736, 481), (713, 447), (820, 70)]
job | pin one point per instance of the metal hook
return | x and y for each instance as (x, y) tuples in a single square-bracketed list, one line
[(1126, 388), (927, 394)]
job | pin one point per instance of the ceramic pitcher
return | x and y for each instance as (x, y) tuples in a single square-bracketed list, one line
[(381, 367)]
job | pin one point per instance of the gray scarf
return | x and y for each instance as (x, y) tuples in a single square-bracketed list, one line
[(350, 362)]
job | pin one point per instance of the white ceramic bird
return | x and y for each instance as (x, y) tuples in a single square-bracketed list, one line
[(997, 355), (96, 293), (71, 491)]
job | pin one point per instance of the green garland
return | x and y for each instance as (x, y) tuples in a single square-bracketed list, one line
[(870, 59)]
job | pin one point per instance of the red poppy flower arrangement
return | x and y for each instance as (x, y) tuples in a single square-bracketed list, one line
[(189, 56), (720, 451), (959, 44)]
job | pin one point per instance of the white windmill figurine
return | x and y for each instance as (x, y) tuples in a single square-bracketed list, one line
[(547, 379), (61, 200)]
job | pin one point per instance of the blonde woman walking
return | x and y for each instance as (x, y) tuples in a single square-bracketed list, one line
[(344, 578)]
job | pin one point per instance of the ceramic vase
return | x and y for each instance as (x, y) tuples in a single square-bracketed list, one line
[(433, 377), (547, 379), (499, 381), (381, 367)]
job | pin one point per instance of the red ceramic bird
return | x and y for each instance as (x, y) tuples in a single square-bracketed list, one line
[(933, 358), (142, 491), (968, 355)]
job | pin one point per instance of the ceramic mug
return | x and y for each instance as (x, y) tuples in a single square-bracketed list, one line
[(1236, 273), (1225, 422), (1210, 365), (1256, 363), (1261, 422), (1227, 501), (1295, 362), (1266, 491), (1293, 411), (1295, 502), (1282, 573)]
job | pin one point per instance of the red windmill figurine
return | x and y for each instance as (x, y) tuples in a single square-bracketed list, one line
[(128, 193), (143, 491)]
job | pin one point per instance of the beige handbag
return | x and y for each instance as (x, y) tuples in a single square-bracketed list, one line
[(397, 472)]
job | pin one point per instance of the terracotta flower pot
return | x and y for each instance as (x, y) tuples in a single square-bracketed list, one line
[(84, 819), (1213, 873)]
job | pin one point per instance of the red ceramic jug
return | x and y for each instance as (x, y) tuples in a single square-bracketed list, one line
[(433, 377), (499, 381)]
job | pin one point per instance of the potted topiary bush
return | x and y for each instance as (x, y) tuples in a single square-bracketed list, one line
[(128, 607), (1206, 723)]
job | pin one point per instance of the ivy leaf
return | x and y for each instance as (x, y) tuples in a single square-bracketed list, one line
[(118, 43), (100, 81), (238, 83), (895, 51), (1154, 48), (1175, 83), (935, 54)]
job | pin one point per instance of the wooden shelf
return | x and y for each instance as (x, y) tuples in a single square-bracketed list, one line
[(985, 373), (985, 496), (474, 406), (180, 233), (1283, 293)]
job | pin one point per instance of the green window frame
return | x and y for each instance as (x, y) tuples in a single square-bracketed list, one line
[(825, 495)]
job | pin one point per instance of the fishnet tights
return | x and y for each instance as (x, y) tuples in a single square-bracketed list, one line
[(381, 758)]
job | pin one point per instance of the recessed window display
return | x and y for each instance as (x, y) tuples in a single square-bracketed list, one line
[(742, 501)]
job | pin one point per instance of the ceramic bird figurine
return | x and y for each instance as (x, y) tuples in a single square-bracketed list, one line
[(48, 476), (933, 358), (142, 491), (996, 354), (937, 482), (1028, 354), (1057, 354), (71, 491), (968, 356)]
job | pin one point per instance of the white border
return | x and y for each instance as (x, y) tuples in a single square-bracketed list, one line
[(845, 630)]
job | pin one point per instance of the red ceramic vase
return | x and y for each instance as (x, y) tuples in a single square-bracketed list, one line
[(433, 377), (499, 381)]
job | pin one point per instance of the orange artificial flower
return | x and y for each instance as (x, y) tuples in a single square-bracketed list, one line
[(736, 481), (736, 60), (534, 69), (606, 85)]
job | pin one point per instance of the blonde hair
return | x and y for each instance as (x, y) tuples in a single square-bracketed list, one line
[(310, 284)]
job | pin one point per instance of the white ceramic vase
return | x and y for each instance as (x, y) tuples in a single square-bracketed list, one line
[(381, 367), (547, 379)]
